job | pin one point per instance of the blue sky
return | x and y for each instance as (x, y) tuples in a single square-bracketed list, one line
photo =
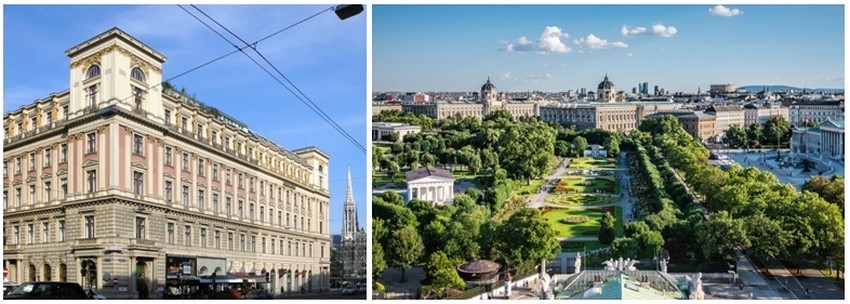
[(678, 47), (324, 57)]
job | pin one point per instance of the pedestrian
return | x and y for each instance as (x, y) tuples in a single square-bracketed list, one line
[(807, 291), (742, 286)]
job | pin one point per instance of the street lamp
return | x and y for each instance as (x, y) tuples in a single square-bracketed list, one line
[(346, 11)]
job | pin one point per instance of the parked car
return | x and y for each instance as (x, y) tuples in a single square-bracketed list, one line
[(350, 289), (48, 290), (94, 295), (8, 287), (361, 287)]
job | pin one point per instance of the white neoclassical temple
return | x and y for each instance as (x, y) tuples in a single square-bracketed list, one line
[(826, 140), (430, 184)]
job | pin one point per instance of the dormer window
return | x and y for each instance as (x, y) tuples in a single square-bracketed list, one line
[(93, 71), (137, 74)]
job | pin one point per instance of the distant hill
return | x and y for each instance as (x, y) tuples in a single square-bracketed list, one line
[(779, 88)]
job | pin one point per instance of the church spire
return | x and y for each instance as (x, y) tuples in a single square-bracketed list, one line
[(349, 225)]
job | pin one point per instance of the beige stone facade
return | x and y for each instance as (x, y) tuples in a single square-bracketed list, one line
[(624, 116), (108, 182)]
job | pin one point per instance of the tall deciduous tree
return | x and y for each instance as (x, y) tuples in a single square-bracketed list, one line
[(767, 238), (735, 136), (405, 249), (720, 235), (525, 237), (526, 150), (442, 273), (579, 145), (612, 145), (607, 231)]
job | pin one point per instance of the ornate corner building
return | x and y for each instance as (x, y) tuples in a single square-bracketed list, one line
[(126, 186)]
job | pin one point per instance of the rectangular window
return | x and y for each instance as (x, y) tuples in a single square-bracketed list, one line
[(253, 243), (321, 227), (137, 96), (30, 234), (271, 216), (63, 184), (322, 252), (61, 230), (167, 117), (289, 248), (47, 157), (63, 153), (32, 161), (187, 236), (140, 228), (201, 199), (309, 227), (287, 220), (65, 111), (227, 177), (89, 226), (271, 246), (17, 235), (91, 140), (47, 191), (5, 168), (262, 187), (32, 194), (200, 131), (5, 199), (240, 209), (263, 245), (185, 161), (92, 91), (262, 213), (18, 165), (217, 239), (215, 172), (242, 242), (281, 247), (215, 202), (214, 137), (227, 206), (251, 211), (239, 180), (280, 218), (168, 155), (34, 123), (170, 233), (230, 241), (138, 147), (200, 167), (185, 195), (203, 240), (91, 178), (45, 232), (168, 190), (251, 184), (18, 199), (139, 183), (184, 124)]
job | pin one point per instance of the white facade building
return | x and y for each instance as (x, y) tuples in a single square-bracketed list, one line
[(430, 184)]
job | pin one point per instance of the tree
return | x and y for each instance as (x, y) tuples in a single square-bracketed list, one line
[(579, 145), (405, 249), (393, 169), (735, 136), (720, 235), (755, 132), (612, 145), (526, 150), (607, 230), (831, 190), (379, 263), (428, 160), (767, 238), (526, 238), (775, 130), (441, 272), (624, 247), (391, 137)]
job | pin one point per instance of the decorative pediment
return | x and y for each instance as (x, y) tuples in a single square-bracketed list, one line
[(31, 179), (186, 180), (215, 188), (46, 176), (89, 163), (139, 165), (169, 175), (16, 182)]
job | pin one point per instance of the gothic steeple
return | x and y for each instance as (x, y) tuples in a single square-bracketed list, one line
[(349, 220)]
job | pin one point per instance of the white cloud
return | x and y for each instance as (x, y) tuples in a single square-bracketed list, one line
[(520, 45), (507, 76), (593, 42), (630, 55), (664, 31), (629, 31), (723, 11), (563, 65), (657, 29), (550, 40)]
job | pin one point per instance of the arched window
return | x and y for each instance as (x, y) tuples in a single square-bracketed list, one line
[(137, 74), (93, 71)]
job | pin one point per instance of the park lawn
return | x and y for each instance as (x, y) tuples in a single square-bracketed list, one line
[(593, 163), (523, 189), (465, 174), (580, 200), (384, 178), (588, 228), (575, 184)]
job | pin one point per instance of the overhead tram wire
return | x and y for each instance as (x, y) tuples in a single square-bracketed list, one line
[(303, 97), (231, 53), (313, 106)]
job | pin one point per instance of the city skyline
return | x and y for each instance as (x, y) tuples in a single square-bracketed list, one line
[(680, 48), (333, 77)]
